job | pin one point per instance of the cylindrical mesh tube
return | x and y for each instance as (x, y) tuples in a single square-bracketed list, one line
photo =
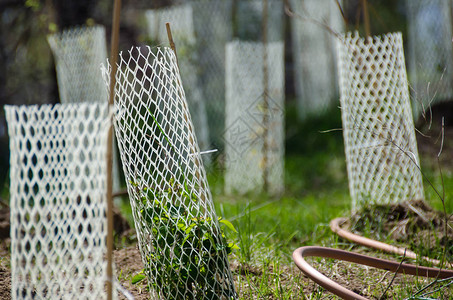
[(181, 244), (378, 129), (58, 200), (254, 134), (79, 53)]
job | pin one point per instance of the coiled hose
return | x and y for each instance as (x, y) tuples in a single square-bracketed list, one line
[(300, 253)]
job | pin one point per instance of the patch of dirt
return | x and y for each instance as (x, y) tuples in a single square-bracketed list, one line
[(268, 281), (5, 269), (411, 224), (128, 262)]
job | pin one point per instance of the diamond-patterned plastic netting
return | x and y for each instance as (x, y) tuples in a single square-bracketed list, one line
[(58, 200), (430, 51), (180, 241), (78, 54), (254, 135), (314, 55), (182, 27), (380, 145)]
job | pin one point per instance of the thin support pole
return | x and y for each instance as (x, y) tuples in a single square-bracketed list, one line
[(170, 39), (113, 61), (366, 18), (265, 99)]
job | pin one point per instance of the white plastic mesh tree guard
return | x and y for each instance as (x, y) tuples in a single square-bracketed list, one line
[(182, 27), (58, 200), (249, 18), (378, 129), (78, 53), (179, 235), (314, 55), (254, 150), (430, 51)]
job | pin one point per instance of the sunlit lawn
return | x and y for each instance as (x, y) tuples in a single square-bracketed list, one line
[(316, 191)]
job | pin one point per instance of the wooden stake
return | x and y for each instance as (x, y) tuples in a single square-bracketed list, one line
[(366, 18), (170, 39), (113, 61)]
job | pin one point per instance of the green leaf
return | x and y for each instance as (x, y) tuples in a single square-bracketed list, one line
[(134, 184), (137, 278), (233, 246), (228, 224), (181, 226), (186, 238), (189, 228)]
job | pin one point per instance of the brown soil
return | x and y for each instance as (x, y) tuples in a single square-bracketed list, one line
[(128, 263), (5, 269)]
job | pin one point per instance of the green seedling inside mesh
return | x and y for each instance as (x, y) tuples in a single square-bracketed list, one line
[(187, 253)]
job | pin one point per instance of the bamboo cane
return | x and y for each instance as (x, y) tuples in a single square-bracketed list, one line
[(113, 59)]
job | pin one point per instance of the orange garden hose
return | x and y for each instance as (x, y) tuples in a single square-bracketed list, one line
[(335, 226), (302, 252), (330, 285)]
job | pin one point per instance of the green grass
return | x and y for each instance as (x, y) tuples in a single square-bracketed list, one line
[(316, 191), (288, 221), (440, 183), (269, 230)]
